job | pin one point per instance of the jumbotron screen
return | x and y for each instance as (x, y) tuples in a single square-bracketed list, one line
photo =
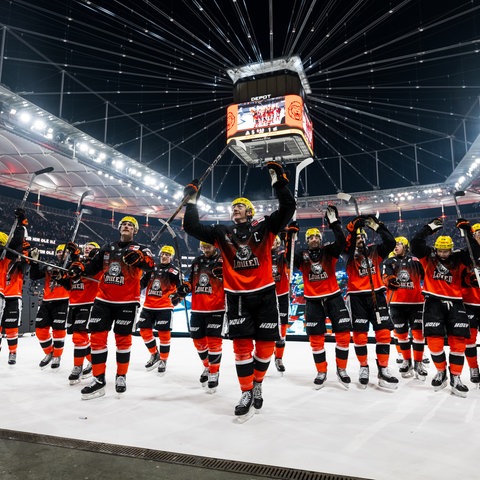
[(270, 117)]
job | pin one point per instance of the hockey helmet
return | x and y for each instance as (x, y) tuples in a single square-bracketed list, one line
[(312, 231), (3, 238), (132, 220), (244, 201), (167, 249), (475, 227), (443, 242), (60, 248)]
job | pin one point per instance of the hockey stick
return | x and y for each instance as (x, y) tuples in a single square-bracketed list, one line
[(186, 198), (301, 166), (460, 193), (42, 262), (179, 263), (22, 205), (347, 197)]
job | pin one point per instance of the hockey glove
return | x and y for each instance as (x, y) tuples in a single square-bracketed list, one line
[(435, 224), (192, 191), (183, 290), (356, 223), (75, 271), (372, 222), (73, 249), (34, 254), (463, 224), (20, 216), (277, 174), (175, 299), (331, 215), (391, 282), (56, 274), (133, 257)]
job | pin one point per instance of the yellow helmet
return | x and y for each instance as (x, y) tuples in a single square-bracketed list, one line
[(475, 227), (312, 231), (167, 249), (443, 242), (132, 220), (3, 238), (403, 240), (60, 248), (203, 244), (245, 201), (93, 244), (361, 231)]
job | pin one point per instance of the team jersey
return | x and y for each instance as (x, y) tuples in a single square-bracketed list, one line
[(14, 280), (160, 284), (318, 266), (470, 293), (245, 247), (206, 283), (280, 272), (53, 289), (409, 273), (360, 267), (443, 278), (119, 282), (5, 263)]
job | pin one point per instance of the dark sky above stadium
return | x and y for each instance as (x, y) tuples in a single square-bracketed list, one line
[(395, 84)]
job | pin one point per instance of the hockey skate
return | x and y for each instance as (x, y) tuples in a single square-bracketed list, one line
[(458, 388), (439, 381), (386, 379), (152, 362), (406, 369), (343, 378), (243, 410), (474, 376), (319, 380), (74, 377), (257, 396), (95, 389), (204, 377), (162, 367), (55, 362), (212, 382), (87, 371), (120, 384), (46, 360), (364, 376), (279, 365), (12, 358), (420, 371)]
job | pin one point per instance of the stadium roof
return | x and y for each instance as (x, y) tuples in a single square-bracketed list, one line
[(394, 100)]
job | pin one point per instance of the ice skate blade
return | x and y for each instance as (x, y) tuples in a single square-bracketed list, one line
[(387, 386), (420, 378), (458, 393), (407, 374), (244, 418), (97, 394), (74, 382), (211, 391), (346, 386), (86, 375), (362, 386), (153, 367)]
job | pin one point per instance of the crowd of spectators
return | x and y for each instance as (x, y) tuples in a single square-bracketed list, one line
[(49, 226)]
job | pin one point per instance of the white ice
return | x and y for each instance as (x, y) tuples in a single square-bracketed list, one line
[(412, 432)]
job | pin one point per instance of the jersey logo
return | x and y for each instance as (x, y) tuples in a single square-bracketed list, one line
[(442, 273), (244, 259)]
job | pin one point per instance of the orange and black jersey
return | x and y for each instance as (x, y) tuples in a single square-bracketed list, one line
[(119, 282), (206, 283), (53, 289), (470, 291), (16, 243), (442, 277), (409, 273), (365, 261), (280, 272), (14, 279), (82, 290), (160, 284), (245, 247), (318, 266)]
